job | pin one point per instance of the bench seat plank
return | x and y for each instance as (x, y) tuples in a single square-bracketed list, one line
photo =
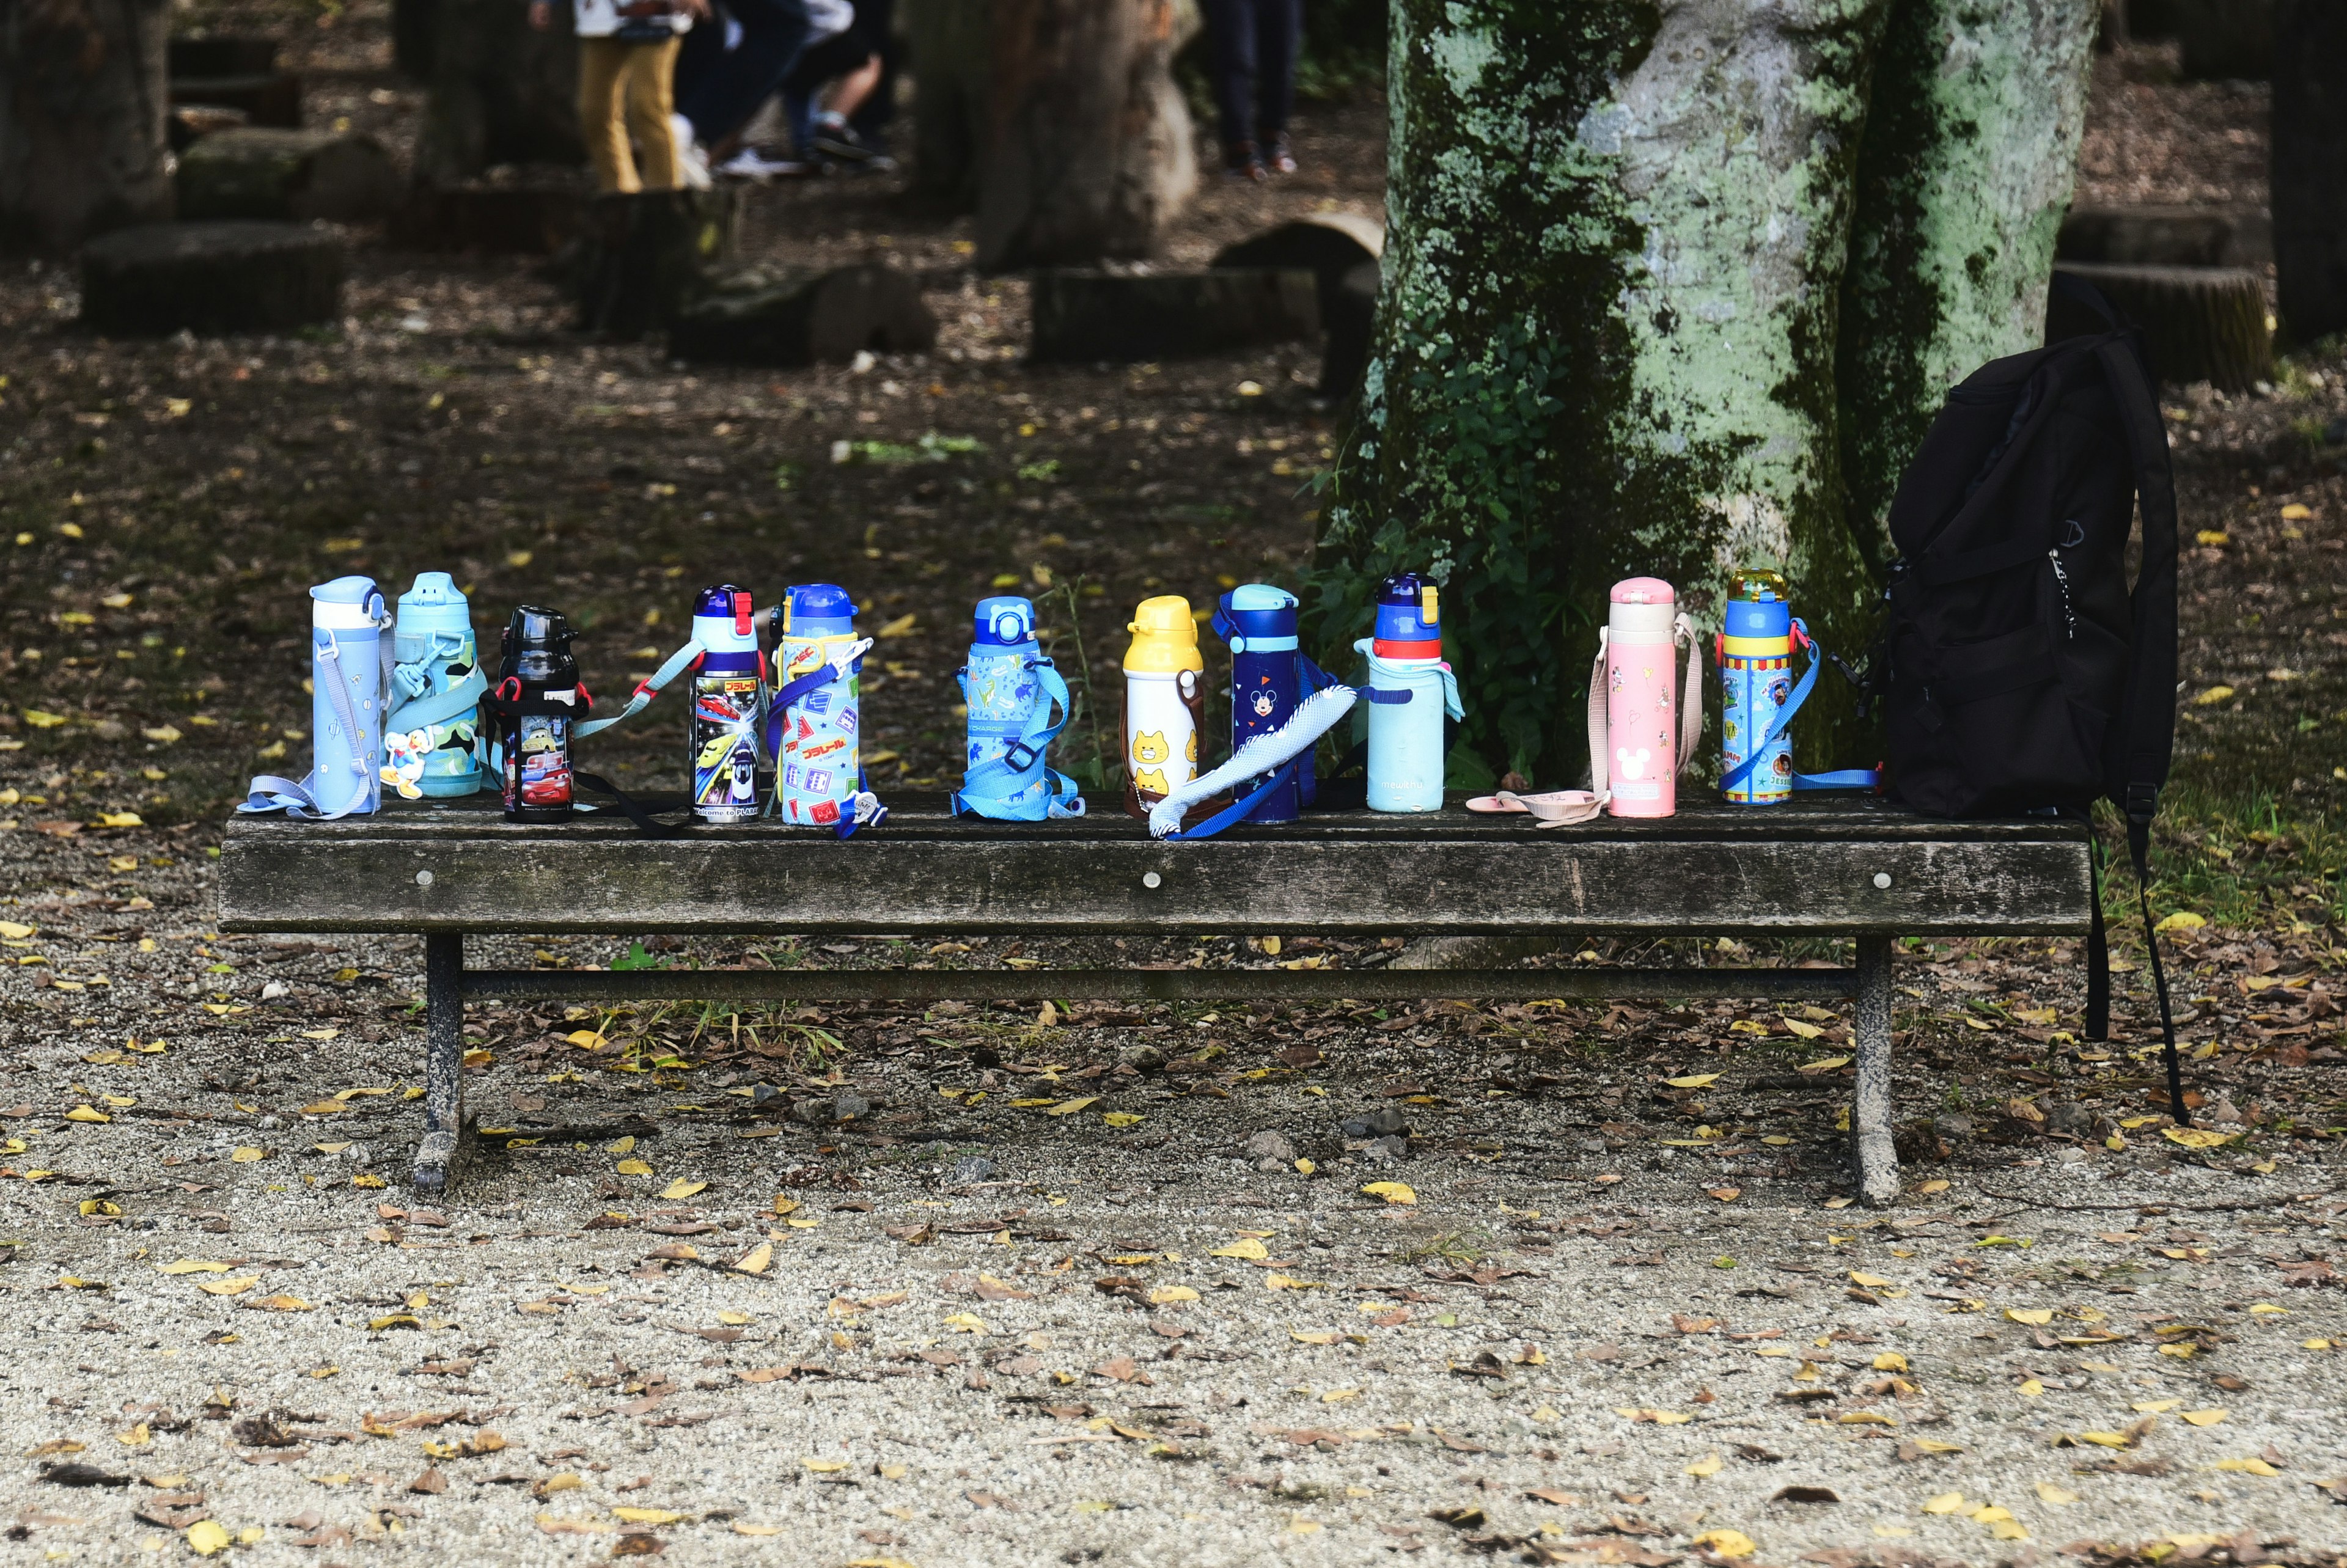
[(1805, 869)]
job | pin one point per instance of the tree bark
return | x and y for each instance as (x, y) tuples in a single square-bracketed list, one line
[(2309, 167), (952, 49), (1963, 174), (502, 92), (1088, 149), (84, 90), (1607, 340)]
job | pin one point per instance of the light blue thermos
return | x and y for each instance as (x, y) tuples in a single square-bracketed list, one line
[(1409, 692), (430, 738)]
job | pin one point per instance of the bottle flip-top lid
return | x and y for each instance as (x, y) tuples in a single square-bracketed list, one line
[(1767, 617), (1642, 610), (347, 604), (1410, 618), (724, 619), (817, 610), (1003, 621), (1164, 638), (1256, 615), (435, 604)]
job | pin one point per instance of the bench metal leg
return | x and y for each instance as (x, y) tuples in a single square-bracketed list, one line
[(1878, 1157), (446, 1136)]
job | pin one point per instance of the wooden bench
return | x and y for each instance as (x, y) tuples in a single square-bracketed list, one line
[(1819, 868)]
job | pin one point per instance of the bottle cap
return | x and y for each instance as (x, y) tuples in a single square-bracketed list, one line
[(1770, 617), (818, 609), (434, 605), (1642, 611), (1757, 582), (1408, 614), (1164, 638), (345, 604), (724, 621), (1256, 615), (1005, 622)]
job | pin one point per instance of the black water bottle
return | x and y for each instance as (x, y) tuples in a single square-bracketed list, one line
[(537, 700)]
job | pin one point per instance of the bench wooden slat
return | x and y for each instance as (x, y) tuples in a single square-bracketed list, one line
[(348, 876)]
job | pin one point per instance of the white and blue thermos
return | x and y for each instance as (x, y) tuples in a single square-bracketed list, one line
[(347, 619), (1410, 691)]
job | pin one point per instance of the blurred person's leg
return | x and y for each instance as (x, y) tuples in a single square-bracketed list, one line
[(1230, 36), (601, 123), (875, 20), (1279, 31), (773, 32), (651, 68)]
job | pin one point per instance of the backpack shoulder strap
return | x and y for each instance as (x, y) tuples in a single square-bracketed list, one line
[(2150, 701)]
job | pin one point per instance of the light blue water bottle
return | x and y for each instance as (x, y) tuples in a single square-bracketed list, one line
[(1011, 691), (431, 745), (1410, 691), (350, 672)]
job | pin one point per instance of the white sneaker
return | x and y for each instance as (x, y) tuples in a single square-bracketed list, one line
[(691, 163), (751, 164)]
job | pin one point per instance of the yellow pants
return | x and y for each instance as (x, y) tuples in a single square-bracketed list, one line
[(624, 88)]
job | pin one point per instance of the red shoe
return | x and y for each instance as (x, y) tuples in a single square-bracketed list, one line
[(1242, 162), (1280, 156)]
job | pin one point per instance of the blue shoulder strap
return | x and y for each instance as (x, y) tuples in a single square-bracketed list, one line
[(1846, 778), (1017, 786)]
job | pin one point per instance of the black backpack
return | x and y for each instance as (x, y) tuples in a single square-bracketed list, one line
[(2019, 672)]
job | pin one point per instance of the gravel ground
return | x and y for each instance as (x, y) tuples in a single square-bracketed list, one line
[(1621, 1314)]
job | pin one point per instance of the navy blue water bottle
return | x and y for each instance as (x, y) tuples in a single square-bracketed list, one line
[(1258, 621)]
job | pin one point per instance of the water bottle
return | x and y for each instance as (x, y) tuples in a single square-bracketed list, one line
[(347, 620), (1755, 673), (1012, 693), (536, 700), (728, 706), (430, 738), (1258, 621), (816, 750), (1164, 702), (1642, 714), (1411, 691)]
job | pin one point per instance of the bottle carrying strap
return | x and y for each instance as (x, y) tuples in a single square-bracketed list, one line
[(1845, 778), (848, 662), (1279, 752), (1002, 787), (419, 707), (646, 690), (298, 798)]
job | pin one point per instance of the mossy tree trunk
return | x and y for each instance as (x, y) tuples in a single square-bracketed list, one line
[(1605, 347), (1963, 175), (1611, 334)]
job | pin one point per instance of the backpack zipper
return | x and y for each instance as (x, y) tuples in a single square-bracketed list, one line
[(2062, 582)]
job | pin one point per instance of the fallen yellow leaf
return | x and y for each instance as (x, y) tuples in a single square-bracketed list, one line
[(2195, 1137), (1170, 1295), (1247, 1246), (236, 1286), (2060, 1497), (248, 1155), (1710, 1464), (824, 1466), (758, 1260), (632, 1168), (2248, 1466), (1870, 1281), (1391, 1191), (1727, 1543), (647, 1516), (680, 1188), (1694, 1081), (193, 1265), (2030, 1314), (1946, 1502), (1069, 1107), (1123, 1118), (2202, 1418), (205, 1537)]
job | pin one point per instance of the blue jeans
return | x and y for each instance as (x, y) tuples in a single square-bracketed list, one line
[(1253, 44), (717, 89)]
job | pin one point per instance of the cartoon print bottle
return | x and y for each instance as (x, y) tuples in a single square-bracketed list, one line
[(1164, 702), (430, 745), (1642, 715), (728, 706), (1266, 670), (537, 678), (819, 751), (1756, 672)]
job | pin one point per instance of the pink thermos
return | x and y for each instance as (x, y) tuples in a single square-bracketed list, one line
[(1643, 717)]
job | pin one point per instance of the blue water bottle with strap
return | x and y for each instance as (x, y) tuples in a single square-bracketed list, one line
[(432, 745), (1018, 705), (350, 672), (1269, 675), (1759, 694), (1411, 691)]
